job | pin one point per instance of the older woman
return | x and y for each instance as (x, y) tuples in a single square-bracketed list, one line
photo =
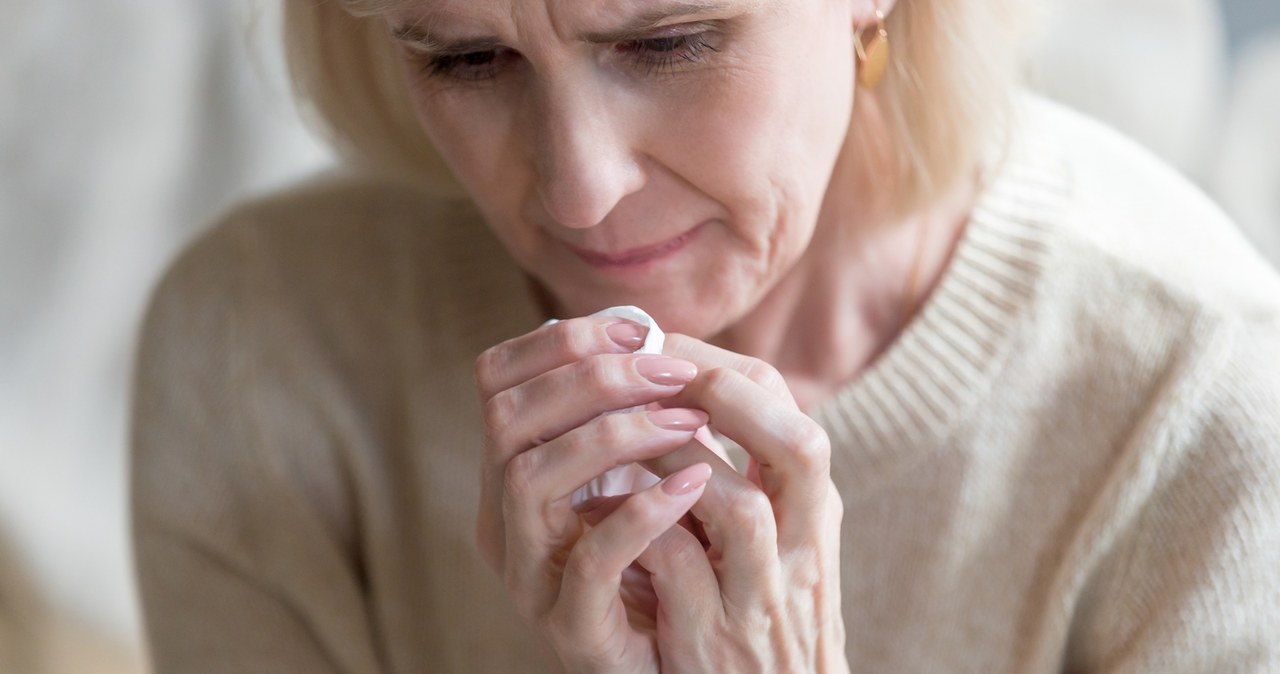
[(1003, 393)]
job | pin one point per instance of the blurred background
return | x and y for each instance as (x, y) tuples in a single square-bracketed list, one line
[(126, 126)]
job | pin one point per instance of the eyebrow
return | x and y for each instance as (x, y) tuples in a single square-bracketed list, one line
[(421, 39), (647, 21), (638, 26)]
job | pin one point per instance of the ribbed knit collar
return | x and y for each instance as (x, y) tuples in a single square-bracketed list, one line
[(939, 369)]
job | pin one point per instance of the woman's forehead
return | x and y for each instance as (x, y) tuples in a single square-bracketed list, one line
[(563, 15)]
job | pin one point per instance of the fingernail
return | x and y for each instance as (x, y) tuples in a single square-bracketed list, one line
[(687, 480), (666, 371), (677, 419), (627, 335)]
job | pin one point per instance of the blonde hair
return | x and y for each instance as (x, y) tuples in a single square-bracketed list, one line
[(941, 108)]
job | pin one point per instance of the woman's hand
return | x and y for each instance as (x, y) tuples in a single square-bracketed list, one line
[(751, 585), (760, 591), (544, 396)]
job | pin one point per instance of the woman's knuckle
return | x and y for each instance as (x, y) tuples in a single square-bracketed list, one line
[(747, 506), (810, 448), (571, 341), (501, 407), (481, 369), (678, 552), (610, 431), (764, 374), (518, 480), (488, 368), (719, 381), (499, 412), (587, 565), (597, 374), (805, 571)]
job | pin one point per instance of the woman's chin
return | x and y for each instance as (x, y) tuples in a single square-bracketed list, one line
[(693, 303)]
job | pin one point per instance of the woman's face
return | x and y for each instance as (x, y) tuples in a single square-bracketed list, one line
[(671, 154)]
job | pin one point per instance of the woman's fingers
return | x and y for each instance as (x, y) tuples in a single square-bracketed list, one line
[(685, 585), (708, 357), (540, 481), (522, 358), (684, 582), (792, 452), (534, 512), (552, 403), (751, 545), (589, 588), (738, 521)]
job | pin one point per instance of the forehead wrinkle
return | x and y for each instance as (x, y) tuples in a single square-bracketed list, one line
[(536, 13), (661, 12), (654, 17), (418, 32), (477, 24), (417, 27), (526, 18)]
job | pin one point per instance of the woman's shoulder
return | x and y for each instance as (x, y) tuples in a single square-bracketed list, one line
[(339, 255), (330, 318), (336, 224), (1145, 223), (330, 295), (1150, 304)]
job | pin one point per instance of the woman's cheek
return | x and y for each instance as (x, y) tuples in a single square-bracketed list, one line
[(462, 141)]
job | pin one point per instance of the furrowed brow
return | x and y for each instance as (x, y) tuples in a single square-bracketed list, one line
[(417, 38), (647, 21)]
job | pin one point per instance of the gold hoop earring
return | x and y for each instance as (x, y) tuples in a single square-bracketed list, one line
[(873, 57)]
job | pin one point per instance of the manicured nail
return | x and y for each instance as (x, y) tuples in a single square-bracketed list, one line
[(687, 480), (666, 371), (677, 419), (627, 335)]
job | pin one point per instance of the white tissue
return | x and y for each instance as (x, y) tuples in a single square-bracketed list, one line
[(631, 477)]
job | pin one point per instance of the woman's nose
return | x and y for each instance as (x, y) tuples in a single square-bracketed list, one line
[(584, 153)]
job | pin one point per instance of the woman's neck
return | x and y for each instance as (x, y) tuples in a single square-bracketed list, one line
[(851, 294)]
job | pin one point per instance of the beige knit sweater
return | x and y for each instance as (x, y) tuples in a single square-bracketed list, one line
[(1069, 462)]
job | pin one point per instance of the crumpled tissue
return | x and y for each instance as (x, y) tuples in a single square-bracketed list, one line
[(631, 477)]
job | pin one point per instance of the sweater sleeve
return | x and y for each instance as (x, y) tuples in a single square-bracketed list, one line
[(1198, 585), (238, 570)]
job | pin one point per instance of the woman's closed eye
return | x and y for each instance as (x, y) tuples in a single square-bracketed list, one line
[(473, 66), (668, 53), (650, 56)]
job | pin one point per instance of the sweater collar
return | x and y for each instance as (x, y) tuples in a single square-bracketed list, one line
[(909, 400)]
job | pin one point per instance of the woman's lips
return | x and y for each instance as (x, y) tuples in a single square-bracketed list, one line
[(635, 256)]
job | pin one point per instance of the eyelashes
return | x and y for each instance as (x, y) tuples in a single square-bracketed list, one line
[(649, 56), (664, 54), (475, 66)]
